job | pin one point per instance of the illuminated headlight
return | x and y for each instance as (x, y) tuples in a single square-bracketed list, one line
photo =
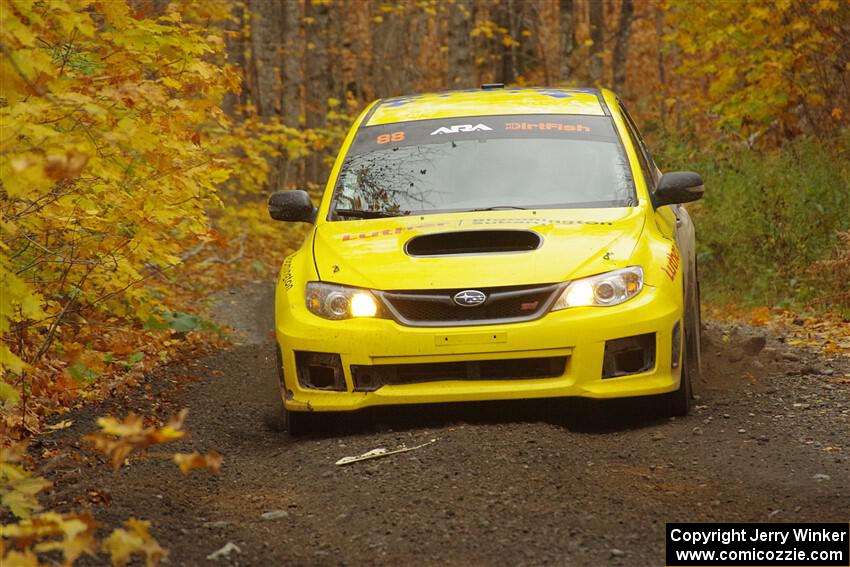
[(339, 302), (610, 288)]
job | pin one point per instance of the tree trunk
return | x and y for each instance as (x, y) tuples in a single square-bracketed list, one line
[(597, 36), (291, 64), (510, 15), (414, 27), (318, 78), (621, 47), (380, 33), (235, 49), (387, 67), (358, 44), (461, 63), (662, 72), (291, 78), (567, 36), (265, 44), (337, 50)]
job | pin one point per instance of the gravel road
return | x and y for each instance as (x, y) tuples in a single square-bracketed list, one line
[(503, 484)]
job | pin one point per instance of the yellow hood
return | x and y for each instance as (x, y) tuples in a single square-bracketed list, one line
[(575, 243)]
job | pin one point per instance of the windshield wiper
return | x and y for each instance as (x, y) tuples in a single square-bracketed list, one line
[(367, 214), (497, 208)]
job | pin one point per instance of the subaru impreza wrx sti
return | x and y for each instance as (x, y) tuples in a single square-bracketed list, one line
[(496, 243)]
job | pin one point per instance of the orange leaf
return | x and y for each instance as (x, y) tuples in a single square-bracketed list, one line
[(194, 460)]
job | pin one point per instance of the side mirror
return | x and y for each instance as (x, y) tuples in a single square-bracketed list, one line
[(678, 187), (293, 206)]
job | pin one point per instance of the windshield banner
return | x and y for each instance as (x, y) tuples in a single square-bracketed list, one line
[(443, 130)]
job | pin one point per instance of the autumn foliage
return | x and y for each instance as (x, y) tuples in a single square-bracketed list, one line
[(107, 171), (140, 137), (114, 155)]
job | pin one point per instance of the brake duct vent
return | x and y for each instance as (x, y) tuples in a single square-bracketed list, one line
[(473, 242)]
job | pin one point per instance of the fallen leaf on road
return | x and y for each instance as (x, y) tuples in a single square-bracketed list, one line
[(378, 453), (64, 424), (225, 551)]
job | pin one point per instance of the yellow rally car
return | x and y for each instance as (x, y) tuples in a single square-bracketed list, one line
[(495, 243)]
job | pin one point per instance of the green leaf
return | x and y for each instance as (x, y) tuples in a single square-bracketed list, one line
[(82, 373), (155, 324), (135, 358), (181, 322)]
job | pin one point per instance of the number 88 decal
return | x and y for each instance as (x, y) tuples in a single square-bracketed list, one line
[(387, 138)]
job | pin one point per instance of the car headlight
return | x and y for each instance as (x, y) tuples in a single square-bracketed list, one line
[(610, 288), (340, 302)]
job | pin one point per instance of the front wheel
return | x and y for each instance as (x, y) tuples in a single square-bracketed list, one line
[(680, 401), (298, 423)]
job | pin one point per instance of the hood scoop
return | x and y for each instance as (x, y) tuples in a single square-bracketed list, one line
[(473, 242)]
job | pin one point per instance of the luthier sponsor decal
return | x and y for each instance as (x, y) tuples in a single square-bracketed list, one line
[(673, 261), (391, 231)]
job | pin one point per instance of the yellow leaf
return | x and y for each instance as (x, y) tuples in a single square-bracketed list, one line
[(19, 559), (117, 14), (123, 544), (190, 461), (9, 395), (117, 439), (826, 6), (19, 496), (11, 362), (132, 425), (78, 537), (28, 179)]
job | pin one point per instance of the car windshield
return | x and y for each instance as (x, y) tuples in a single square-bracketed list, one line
[(483, 163)]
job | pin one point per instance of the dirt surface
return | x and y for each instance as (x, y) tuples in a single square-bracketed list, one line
[(503, 484)]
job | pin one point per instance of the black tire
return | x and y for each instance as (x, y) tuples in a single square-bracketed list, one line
[(274, 417), (679, 402), (696, 333), (280, 419), (298, 423)]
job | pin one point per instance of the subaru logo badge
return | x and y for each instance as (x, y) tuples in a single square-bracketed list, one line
[(469, 298)]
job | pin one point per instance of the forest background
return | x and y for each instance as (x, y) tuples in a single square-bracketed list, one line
[(140, 139)]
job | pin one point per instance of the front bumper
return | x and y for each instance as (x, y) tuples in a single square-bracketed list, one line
[(579, 335)]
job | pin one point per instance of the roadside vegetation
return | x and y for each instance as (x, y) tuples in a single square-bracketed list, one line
[(767, 128), (773, 230), (140, 139)]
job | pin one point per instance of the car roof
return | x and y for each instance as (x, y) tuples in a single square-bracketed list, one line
[(486, 101)]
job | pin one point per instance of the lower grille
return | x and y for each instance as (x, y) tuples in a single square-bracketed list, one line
[(435, 308), (370, 378)]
